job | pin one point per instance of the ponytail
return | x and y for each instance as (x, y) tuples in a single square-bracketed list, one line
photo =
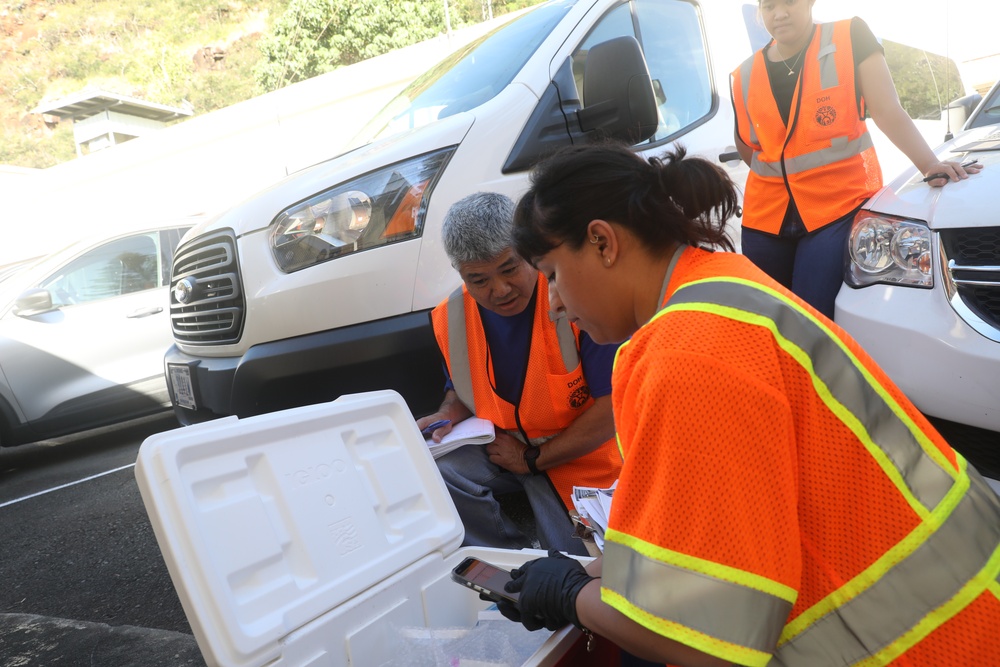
[(662, 200)]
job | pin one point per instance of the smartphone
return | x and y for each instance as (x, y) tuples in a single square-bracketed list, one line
[(484, 578)]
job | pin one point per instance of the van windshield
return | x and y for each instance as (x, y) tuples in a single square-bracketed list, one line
[(472, 75)]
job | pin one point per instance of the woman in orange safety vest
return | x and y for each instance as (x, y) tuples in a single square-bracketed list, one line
[(800, 106), (781, 502)]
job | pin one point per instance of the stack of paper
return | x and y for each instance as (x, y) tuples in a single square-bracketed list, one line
[(594, 507), (471, 431)]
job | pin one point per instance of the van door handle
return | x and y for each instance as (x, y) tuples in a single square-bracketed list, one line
[(729, 157), (145, 312)]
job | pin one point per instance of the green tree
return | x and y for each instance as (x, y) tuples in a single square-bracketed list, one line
[(925, 82), (317, 36)]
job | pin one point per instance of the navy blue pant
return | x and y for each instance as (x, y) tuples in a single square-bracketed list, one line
[(810, 264)]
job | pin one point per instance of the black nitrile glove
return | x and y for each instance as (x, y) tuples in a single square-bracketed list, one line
[(548, 588), (511, 612)]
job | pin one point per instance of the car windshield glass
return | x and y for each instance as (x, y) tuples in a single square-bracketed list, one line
[(467, 78)]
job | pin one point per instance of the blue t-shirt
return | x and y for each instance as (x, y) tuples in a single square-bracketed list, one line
[(509, 338)]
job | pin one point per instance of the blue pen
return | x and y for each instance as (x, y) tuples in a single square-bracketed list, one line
[(433, 426)]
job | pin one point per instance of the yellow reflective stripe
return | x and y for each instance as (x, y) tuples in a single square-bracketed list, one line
[(667, 590), (985, 580), (614, 365), (706, 644), (874, 572), (700, 565), (933, 481), (842, 413)]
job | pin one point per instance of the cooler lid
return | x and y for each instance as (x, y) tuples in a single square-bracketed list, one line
[(268, 522)]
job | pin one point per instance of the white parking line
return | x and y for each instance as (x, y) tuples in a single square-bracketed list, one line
[(63, 486)]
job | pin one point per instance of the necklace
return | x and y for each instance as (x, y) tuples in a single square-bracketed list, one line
[(791, 70)]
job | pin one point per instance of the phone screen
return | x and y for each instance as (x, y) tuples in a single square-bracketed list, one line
[(483, 577)]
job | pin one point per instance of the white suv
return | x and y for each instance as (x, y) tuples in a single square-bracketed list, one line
[(321, 285), (922, 289)]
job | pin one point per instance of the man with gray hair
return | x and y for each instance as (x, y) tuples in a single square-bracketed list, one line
[(544, 384)]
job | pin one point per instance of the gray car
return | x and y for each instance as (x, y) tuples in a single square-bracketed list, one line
[(83, 332)]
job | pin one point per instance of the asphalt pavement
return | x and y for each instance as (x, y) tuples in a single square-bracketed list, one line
[(46, 641)]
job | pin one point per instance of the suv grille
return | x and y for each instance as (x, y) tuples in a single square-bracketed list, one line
[(206, 300), (972, 258)]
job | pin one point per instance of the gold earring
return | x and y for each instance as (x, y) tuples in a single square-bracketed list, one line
[(607, 260)]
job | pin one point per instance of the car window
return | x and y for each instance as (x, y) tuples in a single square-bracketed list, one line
[(469, 77), (122, 266), (673, 42)]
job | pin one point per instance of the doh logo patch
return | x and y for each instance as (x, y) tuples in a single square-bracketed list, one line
[(825, 115), (579, 396)]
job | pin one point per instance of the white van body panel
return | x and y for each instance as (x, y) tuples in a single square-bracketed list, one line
[(396, 282)]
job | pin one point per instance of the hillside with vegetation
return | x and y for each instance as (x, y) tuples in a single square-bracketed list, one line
[(209, 54), (200, 54)]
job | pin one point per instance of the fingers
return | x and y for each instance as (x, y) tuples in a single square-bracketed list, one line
[(945, 172)]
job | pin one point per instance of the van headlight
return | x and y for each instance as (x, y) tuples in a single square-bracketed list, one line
[(381, 207), (890, 250)]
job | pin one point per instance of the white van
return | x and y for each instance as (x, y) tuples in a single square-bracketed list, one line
[(321, 285)]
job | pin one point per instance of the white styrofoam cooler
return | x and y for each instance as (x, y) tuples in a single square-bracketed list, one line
[(303, 537)]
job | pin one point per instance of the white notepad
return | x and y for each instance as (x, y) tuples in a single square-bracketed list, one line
[(471, 431)]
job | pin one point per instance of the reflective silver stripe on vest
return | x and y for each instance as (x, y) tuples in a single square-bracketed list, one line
[(745, 69), (936, 570), (458, 348), (828, 77), (840, 149), (718, 608), (923, 581)]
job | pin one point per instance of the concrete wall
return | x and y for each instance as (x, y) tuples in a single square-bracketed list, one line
[(208, 162)]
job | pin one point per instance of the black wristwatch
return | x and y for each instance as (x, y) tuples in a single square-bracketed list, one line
[(530, 454)]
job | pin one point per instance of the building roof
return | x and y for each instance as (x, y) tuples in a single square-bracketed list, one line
[(87, 103)]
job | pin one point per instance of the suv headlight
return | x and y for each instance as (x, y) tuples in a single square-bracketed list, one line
[(889, 250), (381, 207)]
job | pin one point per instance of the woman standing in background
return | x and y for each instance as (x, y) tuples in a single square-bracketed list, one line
[(800, 105)]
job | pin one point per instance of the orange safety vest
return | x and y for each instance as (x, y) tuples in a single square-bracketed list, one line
[(824, 158), (781, 501), (552, 396)]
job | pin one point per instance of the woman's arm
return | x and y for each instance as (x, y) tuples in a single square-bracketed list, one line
[(876, 86)]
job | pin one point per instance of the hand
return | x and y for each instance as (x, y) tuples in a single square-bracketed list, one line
[(511, 612), (940, 173), (507, 452), (548, 588), (439, 433)]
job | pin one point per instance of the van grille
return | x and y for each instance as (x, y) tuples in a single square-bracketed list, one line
[(972, 258), (206, 300)]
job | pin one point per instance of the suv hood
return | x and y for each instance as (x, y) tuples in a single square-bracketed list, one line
[(258, 211), (968, 203)]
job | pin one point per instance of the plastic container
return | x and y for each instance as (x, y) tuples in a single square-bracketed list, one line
[(311, 536)]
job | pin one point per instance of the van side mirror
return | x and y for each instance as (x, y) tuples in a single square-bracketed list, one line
[(33, 302), (618, 98), (620, 105), (958, 111)]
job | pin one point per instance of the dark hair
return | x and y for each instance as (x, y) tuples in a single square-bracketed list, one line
[(674, 199)]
